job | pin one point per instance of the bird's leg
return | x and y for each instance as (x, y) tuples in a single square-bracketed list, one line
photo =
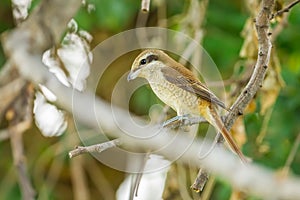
[(183, 120), (175, 121)]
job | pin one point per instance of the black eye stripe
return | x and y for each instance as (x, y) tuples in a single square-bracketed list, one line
[(152, 57)]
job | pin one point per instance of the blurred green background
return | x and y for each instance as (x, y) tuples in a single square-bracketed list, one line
[(47, 158)]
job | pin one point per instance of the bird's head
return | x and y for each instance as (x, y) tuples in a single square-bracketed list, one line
[(147, 62)]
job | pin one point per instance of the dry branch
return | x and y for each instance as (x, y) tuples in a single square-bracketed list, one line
[(94, 148), (285, 9), (262, 23)]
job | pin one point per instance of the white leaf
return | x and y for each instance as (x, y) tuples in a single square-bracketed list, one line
[(20, 8), (152, 184), (74, 55), (48, 118), (76, 58), (54, 67), (47, 93)]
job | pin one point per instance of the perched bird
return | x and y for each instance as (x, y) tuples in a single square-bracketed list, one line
[(179, 88)]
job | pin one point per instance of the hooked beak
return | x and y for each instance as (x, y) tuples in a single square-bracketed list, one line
[(133, 74)]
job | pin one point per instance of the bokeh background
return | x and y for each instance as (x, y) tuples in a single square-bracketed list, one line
[(269, 131)]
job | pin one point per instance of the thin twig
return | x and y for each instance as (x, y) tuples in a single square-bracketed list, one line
[(283, 23), (285, 9), (94, 148), (100, 181), (79, 180), (17, 147), (263, 131), (19, 117), (209, 186), (145, 5), (9, 92), (292, 155), (200, 181)]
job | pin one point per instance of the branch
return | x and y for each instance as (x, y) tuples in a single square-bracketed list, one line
[(200, 180), (17, 147), (262, 24), (291, 155), (285, 9), (94, 148)]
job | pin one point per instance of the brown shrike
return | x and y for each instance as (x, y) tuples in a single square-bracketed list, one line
[(179, 88)]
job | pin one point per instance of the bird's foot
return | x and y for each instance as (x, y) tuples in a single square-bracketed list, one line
[(176, 122), (183, 120)]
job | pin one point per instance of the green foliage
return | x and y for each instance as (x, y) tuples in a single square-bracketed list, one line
[(109, 15), (225, 21), (221, 191)]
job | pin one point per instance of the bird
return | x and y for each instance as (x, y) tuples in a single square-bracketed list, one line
[(179, 88)]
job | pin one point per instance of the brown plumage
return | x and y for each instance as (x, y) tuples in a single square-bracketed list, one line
[(179, 88)]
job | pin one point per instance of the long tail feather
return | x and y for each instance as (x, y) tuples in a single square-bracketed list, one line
[(217, 122)]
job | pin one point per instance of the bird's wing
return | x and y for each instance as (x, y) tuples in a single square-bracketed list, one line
[(184, 79)]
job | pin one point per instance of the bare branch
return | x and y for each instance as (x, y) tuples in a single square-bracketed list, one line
[(285, 9), (200, 181), (94, 148), (16, 132), (292, 154), (262, 24)]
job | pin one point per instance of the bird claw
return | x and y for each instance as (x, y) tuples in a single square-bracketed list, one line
[(176, 121), (183, 120)]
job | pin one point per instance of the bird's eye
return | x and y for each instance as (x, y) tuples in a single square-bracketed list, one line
[(143, 62)]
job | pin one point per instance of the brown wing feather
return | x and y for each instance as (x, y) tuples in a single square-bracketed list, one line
[(190, 83)]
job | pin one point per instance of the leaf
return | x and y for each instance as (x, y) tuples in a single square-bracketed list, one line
[(48, 118)]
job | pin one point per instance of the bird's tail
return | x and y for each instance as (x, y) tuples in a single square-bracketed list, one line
[(216, 121)]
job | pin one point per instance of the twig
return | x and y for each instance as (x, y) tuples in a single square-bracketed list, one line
[(208, 190), (285, 9), (264, 127), (145, 5), (262, 23), (200, 181), (94, 148), (9, 92), (100, 181), (283, 23), (17, 147), (19, 117), (292, 155), (79, 180)]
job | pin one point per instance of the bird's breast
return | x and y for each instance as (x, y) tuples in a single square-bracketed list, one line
[(182, 101)]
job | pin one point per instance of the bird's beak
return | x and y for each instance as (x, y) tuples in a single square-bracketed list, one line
[(133, 74)]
